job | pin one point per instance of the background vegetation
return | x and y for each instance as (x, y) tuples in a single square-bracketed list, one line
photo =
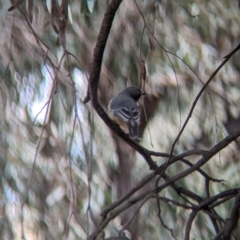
[(62, 166)]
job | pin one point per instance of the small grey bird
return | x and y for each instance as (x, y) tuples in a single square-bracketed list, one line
[(123, 109)]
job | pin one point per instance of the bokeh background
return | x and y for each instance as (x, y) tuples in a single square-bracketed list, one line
[(57, 155)]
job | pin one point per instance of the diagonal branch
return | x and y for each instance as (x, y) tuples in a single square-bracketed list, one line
[(94, 80), (200, 93), (232, 222), (122, 204)]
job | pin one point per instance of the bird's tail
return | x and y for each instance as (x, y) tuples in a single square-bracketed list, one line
[(134, 132)]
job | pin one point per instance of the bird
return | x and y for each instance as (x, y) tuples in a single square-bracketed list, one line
[(123, 109)]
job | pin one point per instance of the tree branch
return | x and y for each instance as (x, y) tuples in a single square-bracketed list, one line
[(94, 80)]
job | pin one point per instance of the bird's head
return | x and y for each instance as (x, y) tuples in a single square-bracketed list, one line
[(133, 92)]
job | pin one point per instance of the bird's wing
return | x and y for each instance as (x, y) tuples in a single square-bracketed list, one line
[(125, 109)]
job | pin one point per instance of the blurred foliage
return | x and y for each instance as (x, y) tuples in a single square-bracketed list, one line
[(52, 141)]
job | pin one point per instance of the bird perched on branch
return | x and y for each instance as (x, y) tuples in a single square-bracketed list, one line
[(123, 109)]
